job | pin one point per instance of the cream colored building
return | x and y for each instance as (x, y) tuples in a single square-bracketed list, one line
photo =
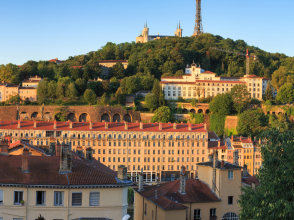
[(212, 196), (159, 148), (197, 83), (64, 187), (106, 64), (145, 37)]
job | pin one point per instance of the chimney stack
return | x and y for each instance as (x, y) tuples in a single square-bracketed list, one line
[(254, 138), (106, 125), (222, 164), (35, 123), (90, 125), (245, 173), (89, 154), (218, 143), (57, 150), (155, 194), (18, 124), (232, 139), (175, 125), (141, 125), (215, 163), (210, 157), (54, 126), (141, 180), (183, 180), (160, 126), (205, 126), (65, 159), (122, 172), (25, 160), (259, 141), (4, 148), (236, 157), (126, 125), (190, 126), (70, 124)]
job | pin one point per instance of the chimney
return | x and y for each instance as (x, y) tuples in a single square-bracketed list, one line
[(155, 194), (160, 126), (106, 125), (218, 143), (222, 164), (210, 157), (236, 157), (141, 180), (259, 141), (4, 148), (175, 125), (122, 172), (254, 138), (89, 154), (25, 161), (54, 125), (232, 138), (126, 125), (91, 125), (141, 125), (215, 163), (245, 173), (190, 126), (205, 126), (57, 149), (183, 180), (18, 124), (65, 159), (35, 124)]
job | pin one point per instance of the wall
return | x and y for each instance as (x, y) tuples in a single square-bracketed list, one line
[(111, 205), (231, 122)]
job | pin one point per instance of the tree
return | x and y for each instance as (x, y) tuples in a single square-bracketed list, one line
[(273, 198), (14, 99), (42, 91), (251, 121), (103, 101), (9, 73), (76, 73), (151, 102), (113, 85), (279, 77), (221, 104), (51, 89), (179, 73), (71, 92), (120, 96), (241, 97), (280, 122), (132, 85), (90, 96), (81, 86), (269, 92), (156, 90), (117, 71), (286, 93), (162, 114)]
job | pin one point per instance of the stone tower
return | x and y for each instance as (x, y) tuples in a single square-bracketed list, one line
[(145, 33), (179, 31)]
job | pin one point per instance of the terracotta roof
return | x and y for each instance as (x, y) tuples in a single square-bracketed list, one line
[(76, 67), (212, 135), (187, 75), (214, 145), (99, 126), (208, 72), (249, 179), (169, 197), (172, 77), (237, 146), (27, 145), (45, 171), (220, 81), (179, 82), (233, 77), (227, 165)]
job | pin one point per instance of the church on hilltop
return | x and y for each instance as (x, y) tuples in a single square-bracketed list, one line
[(145, 37)]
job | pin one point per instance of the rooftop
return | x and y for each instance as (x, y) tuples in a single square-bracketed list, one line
[(169, 197), (100, 126), (227, 165)]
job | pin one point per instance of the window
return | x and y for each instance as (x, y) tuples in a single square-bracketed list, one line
[(212, 212), (94, 198), (18, 197), (1, 197), (197, 213), (58, 198), (230, 200), (40, 198), (76, 199), (230, 175)]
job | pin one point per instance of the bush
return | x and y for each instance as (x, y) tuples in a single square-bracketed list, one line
[(217, 124), (268, 102), (198, 118), (254, 101)]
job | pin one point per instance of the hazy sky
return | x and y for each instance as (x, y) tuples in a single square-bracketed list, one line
[(42, 30)]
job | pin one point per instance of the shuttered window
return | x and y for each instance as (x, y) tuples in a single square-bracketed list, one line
[(1, 197), (76, 199), (94, 198)]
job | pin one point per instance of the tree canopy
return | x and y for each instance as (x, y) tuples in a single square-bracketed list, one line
[(286, 93), (221, 104)]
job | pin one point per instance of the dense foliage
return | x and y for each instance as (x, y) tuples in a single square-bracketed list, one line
[(162, 114), (221, 104), (217, 124), (197, 118), (286, 93), (273, 198)]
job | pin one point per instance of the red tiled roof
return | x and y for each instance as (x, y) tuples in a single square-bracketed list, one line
[(187, 75), (45, 171), (100, 126), (76, 67), (209, 72), (214, 145), (169, 197), (27, 145), (172, 82), (220, 81), (249, 179)]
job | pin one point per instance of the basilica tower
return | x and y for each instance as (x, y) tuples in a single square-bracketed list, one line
[(179, 31)]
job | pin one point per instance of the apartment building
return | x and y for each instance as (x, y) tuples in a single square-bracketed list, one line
[(197, 83), (213, 195), (159, 148), (63, 186)]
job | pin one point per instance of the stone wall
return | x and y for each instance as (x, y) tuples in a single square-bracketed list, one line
[(231, 122), (74, 113)]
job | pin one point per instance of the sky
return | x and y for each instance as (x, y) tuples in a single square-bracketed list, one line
[(44, 30)]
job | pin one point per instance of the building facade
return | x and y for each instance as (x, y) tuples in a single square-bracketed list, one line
[(60, 186), (197, 83), (145, 37), (107, 64)]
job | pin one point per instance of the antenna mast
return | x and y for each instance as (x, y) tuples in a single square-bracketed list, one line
[(198, 30)]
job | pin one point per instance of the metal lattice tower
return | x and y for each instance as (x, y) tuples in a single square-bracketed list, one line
[(198, 30)]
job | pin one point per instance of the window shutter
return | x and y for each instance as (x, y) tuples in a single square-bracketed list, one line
[(1, 196), (94, 198), (76, 199)]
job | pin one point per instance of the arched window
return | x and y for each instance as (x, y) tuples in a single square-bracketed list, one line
[(230, 216)]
